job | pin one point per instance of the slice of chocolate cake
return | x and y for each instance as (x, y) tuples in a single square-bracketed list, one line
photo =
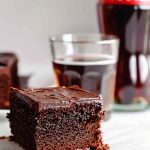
[(8, 77), (56, 118)]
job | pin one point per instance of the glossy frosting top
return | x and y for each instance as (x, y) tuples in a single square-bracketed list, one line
[(56, 97)]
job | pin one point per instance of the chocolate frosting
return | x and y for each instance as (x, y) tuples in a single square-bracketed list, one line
[(55, 97)]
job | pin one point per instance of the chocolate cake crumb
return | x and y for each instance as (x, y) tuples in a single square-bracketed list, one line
[(4, 137)]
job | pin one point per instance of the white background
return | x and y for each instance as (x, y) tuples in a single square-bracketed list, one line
[(25, 26)]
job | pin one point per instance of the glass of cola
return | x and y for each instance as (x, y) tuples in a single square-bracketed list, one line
[(86, 60)]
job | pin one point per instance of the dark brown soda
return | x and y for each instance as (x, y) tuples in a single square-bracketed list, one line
[(132, 25), (96, 74)]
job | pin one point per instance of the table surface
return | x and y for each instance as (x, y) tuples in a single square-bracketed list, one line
[(123, 131)]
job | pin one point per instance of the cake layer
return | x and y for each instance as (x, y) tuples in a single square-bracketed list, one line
[(62, 118)]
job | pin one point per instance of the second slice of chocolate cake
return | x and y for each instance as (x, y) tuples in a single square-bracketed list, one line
[(56, 118), (8, 77)]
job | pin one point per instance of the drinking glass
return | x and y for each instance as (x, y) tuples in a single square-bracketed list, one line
[(86, 60)]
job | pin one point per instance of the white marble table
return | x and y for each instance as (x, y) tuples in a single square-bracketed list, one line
[(128, 131), (123, 131)]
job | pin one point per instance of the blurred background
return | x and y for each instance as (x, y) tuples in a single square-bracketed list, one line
[(25, 28), (26, 25)]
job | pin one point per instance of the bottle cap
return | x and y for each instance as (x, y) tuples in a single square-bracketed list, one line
[(126, 2)]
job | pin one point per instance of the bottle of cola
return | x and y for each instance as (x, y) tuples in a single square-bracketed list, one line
[(130, 21)]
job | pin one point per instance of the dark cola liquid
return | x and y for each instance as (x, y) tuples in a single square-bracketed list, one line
[(132, 25), (91, 72)]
